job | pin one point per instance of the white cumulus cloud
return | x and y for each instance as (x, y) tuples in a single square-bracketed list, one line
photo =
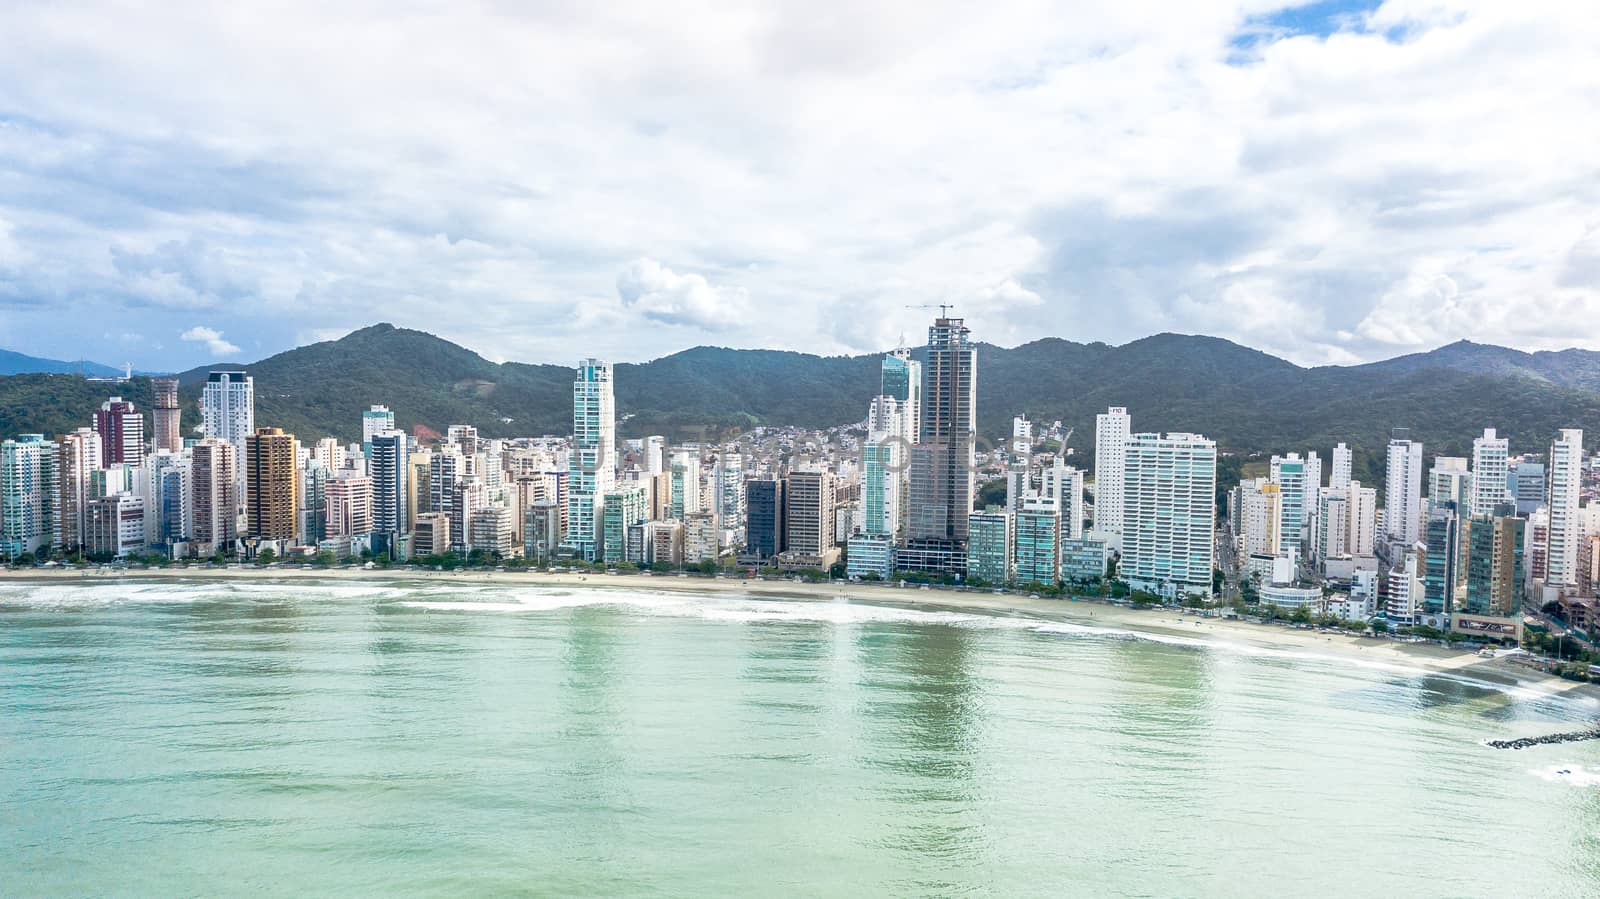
[(211, 339), (661, 294)]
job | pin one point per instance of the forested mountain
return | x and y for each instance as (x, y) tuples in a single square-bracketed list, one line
[(1247, 400)]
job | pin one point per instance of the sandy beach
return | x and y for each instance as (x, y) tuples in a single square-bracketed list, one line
[(1168, 623)]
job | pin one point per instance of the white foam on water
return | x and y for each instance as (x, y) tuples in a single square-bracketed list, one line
[(1574, 774)]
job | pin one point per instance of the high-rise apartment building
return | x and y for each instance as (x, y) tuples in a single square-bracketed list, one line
[(430, 534), (1403, 490), (116, 525), (121, 428), (592, 468), (728, 489), (348, 500), (1339, 475), (271, 485), (623, 507), (1495, 577), (883, 469), (1036, 543), (463, 438), (685, 481), (989, 547), (808, 514), (168, 415), (214, 478), (1450, 483), (1169, 513), (764, 517), (390, 469), (28, 487), (1260, 518), (1565, 477), (1526, 482), (943, 462), (1489, 457), (228, 412), (77, 458), (1292, 475), (1111, 431), (375, 420), (1441, 567)]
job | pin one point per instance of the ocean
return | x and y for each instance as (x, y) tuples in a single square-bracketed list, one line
[(171, 737)]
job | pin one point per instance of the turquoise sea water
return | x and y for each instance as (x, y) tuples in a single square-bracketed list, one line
[(173, 738)]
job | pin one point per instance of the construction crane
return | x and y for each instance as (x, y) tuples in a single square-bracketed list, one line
[(944, 308)]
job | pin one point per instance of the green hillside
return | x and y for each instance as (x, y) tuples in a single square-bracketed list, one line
[(1248, 400)]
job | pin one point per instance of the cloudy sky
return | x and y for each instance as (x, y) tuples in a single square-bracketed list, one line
[(1330, 182)]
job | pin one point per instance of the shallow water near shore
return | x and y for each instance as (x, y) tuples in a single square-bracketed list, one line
[(173, 737)]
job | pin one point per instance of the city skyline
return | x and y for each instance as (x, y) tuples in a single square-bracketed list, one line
[(1289, 175)]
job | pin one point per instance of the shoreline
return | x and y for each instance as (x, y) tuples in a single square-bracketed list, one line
[(1157, 622)]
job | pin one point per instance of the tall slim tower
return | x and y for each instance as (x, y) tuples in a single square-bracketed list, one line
[(901, 380), (1339, 477), (77, 456), (1111, 430), (1403, 489), (228, 412), (212, 496), (169, 434), (943, 462), (390, 470), (1489, 455), (28, 489), (1566, 473), (592, 468)]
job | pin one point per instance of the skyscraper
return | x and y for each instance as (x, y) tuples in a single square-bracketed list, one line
[(77, 457), (808, 515), (1111, 430), (655, 448), (168, 417), (944, 460), (1169, 513), (1403, 489), (729, 489), (228, 412), (1494, 564), (1291, 475), (121, 429), (1565, 476), (390, 468), (1339, 477), (764, 516), (1449, 481), (1489, 454), (883, 470), (28, 487), (271, 485), (213, 501), (685, 481), (593, 465)]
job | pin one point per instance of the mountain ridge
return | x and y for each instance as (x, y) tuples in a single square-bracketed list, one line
[(1246, 399)]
